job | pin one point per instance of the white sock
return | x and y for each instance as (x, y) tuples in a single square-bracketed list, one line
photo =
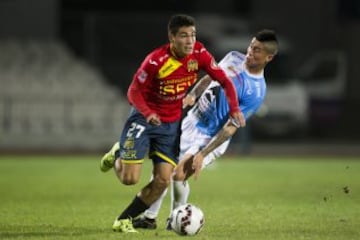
[(179, 194), (153, 211)]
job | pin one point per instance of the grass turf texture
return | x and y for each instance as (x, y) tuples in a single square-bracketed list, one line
[(59, 197)]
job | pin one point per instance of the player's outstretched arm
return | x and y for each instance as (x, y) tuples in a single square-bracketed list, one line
[(201, 85), (227, 131), (197, 90)]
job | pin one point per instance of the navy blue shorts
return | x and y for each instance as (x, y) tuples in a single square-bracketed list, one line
[(139, 137)]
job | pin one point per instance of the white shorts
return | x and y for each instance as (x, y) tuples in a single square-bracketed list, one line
[(192, 140)]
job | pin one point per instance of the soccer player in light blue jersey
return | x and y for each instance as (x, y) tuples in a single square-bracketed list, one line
[(207, 127)]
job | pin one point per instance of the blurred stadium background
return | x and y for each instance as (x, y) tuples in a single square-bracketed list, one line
[(65, 66)]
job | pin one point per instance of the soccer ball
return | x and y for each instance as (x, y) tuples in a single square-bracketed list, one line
[(187, 219)]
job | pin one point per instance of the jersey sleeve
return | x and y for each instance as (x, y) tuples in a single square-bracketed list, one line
[(217, 74), (141, 80)]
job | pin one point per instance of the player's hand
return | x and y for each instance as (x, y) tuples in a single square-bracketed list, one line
[(153, 119), (197, 164), (189, 100), (239, 118)]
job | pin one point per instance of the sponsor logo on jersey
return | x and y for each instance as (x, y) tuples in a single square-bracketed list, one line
[(168, 67), (192, 65), (176, 86), (128, 154)]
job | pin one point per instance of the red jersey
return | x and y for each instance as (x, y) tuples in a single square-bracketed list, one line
[(162, 81)]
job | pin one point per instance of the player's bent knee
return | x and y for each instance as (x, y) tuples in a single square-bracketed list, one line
[(129, 179), (161, 183), (129, 174), (179, 176)]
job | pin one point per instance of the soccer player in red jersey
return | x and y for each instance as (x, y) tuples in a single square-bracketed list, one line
[(156, 93)]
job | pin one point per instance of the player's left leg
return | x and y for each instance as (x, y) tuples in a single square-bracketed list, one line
[(154, 189), (148, 219), (148, 194), (163, 152)]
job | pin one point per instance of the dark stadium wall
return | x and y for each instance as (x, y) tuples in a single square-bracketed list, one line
[(29, 19), (91, 29)]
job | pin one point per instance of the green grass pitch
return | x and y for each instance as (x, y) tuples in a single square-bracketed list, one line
[(67, 197)]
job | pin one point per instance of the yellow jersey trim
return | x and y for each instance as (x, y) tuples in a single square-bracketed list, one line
[(163, 157), (132, 161)]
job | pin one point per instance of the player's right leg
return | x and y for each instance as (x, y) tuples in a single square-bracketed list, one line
[(134, 143), (128, 174)]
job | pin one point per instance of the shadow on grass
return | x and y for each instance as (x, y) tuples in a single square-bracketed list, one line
[(46, 231)]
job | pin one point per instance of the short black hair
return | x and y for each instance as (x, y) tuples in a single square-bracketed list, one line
[(269, 38), (266, 35), (180, 20)]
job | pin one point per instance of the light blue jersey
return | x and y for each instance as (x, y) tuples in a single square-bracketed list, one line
[(212, 109)]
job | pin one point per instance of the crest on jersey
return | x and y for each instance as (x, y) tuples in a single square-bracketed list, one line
[(129, 143), (192, 65)]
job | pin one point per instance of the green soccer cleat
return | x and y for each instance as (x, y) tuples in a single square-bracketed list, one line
[(107, 161), (123, 225)]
